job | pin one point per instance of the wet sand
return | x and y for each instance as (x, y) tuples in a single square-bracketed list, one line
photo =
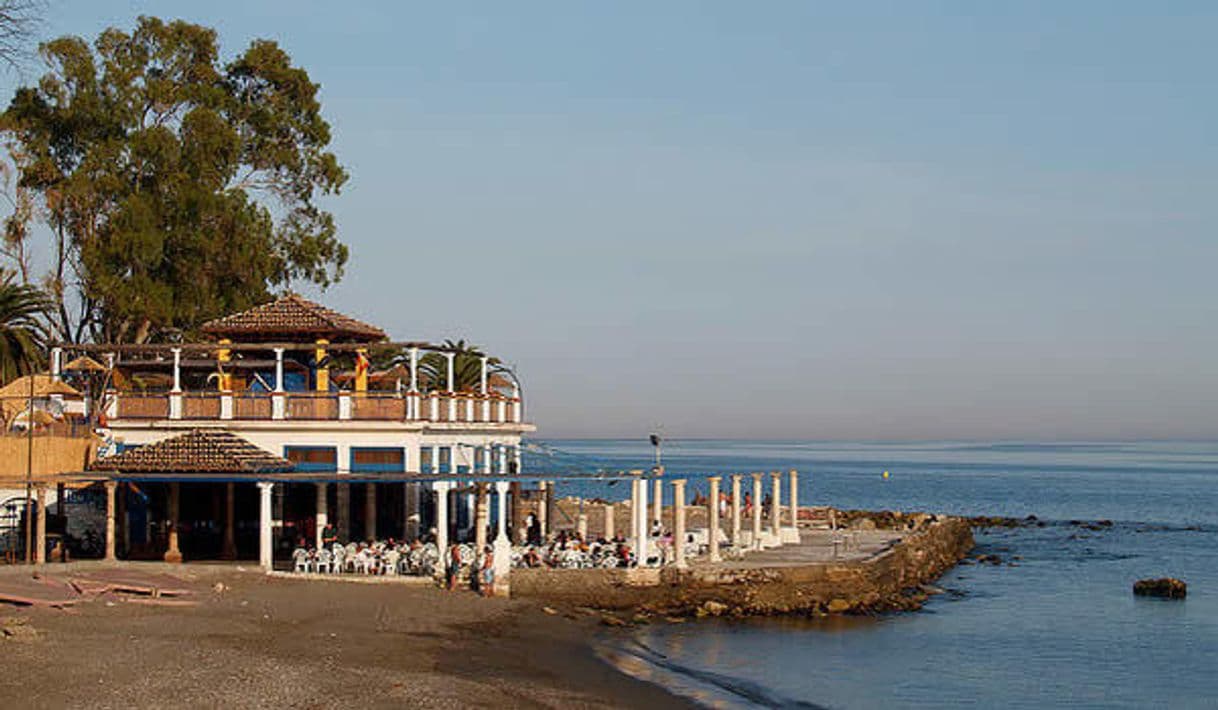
[(271, 642)]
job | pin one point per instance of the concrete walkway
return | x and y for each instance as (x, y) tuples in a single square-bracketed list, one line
[(818, 546)]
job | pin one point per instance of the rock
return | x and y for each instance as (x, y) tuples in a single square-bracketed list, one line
[(610, 620), (16, 628), (838, 605), (1165, 587), (712, 608), (219, 587), (549, 610), (863, 524)]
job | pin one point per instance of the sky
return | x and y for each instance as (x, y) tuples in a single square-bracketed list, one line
[(796, 220)]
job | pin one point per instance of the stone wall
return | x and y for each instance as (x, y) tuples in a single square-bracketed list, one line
[(888, 581)]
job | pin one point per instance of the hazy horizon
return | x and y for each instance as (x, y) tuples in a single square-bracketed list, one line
[(868, 222)]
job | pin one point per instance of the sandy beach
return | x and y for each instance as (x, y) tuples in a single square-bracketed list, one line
[(273, 642)]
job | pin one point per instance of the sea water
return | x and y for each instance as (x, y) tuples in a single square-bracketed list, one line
[(1055, 625)]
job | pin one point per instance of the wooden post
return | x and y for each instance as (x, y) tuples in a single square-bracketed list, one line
[(173, 554), (229, 546), (712, 529), (321, 514), (110, 516), (678, 524), (369, 511), (40, 527)]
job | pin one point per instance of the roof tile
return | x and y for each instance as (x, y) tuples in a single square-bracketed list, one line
[(292, 315), (197, 451)]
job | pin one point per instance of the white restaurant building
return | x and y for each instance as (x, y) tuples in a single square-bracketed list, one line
[(368, 426)]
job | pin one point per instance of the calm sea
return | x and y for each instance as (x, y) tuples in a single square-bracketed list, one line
[(1060, 628)]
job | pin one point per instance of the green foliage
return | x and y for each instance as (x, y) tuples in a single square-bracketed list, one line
[(179, 188), (22, 334), (467, 368)]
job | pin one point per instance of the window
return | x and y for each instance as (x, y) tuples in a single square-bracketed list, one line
[(312, 458), (378, 459)]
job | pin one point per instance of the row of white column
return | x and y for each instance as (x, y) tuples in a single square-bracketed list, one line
[(758, 538)]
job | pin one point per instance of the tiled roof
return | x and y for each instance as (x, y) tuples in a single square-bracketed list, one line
[(292, 315), (196, 451)]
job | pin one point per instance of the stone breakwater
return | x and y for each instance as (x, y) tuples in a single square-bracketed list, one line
[(893, 579)]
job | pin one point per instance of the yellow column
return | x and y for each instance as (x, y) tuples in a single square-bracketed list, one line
[(223, 357), (323, 369), (361, 370)]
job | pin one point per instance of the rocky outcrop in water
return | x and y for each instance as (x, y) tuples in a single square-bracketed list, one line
[(1164, 587)]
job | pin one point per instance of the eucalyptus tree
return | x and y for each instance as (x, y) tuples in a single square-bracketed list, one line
[(177, 186)]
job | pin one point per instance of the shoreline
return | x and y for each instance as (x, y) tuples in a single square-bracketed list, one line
[(267, 642), (247, 638)]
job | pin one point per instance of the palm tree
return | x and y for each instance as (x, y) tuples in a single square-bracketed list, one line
[(23, 334), (467, 367)]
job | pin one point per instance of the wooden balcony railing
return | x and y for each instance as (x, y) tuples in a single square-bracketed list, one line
[(200, 406), (252, 406), (144, 406), (378, 407), (312, 406), (462, 408)]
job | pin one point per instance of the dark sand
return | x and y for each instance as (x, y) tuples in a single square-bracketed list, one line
[(271, 642)]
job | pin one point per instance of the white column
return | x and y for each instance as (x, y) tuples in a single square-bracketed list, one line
[(713, 518), (634, 513), (441, 489), (516, 457), (485, 407), (776, 506), (278, 369), (56, 363), (581, 522), (644, 528), (321, 514), (736, 478), (517, 409), (488, 454), (757, 511), (175, 394), (177, 370), (412, 399), (678, 523), (609, 522), (452, 379), (657, 505), (793, 536), (503, 545), (264, 525), (543, 509)]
